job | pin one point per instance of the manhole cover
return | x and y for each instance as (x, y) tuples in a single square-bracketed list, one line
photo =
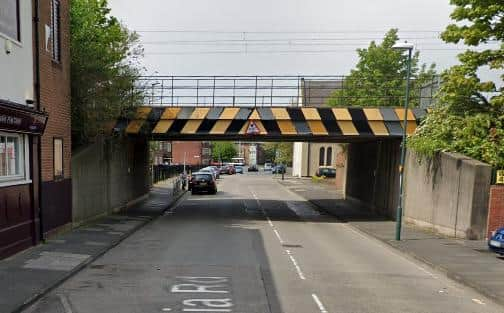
[(450, 243), (291, 246)]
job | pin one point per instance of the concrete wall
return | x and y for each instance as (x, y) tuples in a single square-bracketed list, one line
[(450, 196), (108, 175), (299, 156), (16, 63), (372, 177)]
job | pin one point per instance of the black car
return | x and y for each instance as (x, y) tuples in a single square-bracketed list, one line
[(329, 172), (278, 169), (253, 168), (202, 181)]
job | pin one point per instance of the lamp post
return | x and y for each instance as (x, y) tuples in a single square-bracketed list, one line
[(409, 47)]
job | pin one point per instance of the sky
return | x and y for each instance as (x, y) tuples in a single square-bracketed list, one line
[(278, 37)]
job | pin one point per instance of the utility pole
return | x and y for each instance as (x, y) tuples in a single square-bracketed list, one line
[(185, 153), (399, 213)]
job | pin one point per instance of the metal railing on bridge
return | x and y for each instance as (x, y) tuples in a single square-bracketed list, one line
[(269, 91)]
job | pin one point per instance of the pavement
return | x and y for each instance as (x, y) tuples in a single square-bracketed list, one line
[(30, 274), (466, 261), (256, 247)]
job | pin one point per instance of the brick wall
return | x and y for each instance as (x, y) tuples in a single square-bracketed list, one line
[(496, 208), (55, 193), (55, 90), (190, 148)]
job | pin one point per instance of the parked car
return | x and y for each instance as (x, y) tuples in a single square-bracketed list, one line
[(326, 171), (496, 242), (239, 169), (216, 171), (208, 170), (202, 181), (278, 169), (267, 166), (228, 169), (224, 169), (253, 168)]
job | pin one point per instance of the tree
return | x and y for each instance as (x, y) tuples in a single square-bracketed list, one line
[(104, 67), (380, 76), (469, 115), (278, 152), (223, 151)]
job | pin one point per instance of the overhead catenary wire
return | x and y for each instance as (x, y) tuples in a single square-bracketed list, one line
[(426, 40), (211, 41), (161, 30), (278, 51)]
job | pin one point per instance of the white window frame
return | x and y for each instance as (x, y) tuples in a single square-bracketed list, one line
[(18, 40), (24, 159), (59, 177)]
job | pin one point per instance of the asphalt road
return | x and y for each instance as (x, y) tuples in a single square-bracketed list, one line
[(256, 247)]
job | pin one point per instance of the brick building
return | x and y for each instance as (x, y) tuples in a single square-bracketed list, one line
[(193, 152), (495, 209), (54, 73), (161, 152)]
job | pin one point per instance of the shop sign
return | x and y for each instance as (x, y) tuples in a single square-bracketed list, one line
[(22, 121)]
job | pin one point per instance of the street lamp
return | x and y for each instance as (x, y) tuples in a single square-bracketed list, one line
[(403, 46)]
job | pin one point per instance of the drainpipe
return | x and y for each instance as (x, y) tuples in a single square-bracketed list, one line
[(309, 160), (36, 21)]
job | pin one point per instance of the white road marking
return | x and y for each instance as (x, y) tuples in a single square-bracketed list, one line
[(277, 233), (298, 268), (478, 301), (367, 237), (319, 303), (278, 236), (166, 310)]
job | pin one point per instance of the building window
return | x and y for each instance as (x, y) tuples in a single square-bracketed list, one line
[(56, 30), (165, 146), (321, 156), (12, 157), (329, 156), (9, 19), (58, 158)]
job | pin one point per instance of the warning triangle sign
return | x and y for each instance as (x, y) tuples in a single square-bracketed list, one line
[(252, 128)]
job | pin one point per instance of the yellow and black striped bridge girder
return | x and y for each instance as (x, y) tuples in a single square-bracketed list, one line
[(271, 123)]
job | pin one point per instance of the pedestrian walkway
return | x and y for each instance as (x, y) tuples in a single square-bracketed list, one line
[(465, 261), (26, 276)]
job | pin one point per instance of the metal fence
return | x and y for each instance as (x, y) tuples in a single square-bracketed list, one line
[(252, 91), (164, 172)]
